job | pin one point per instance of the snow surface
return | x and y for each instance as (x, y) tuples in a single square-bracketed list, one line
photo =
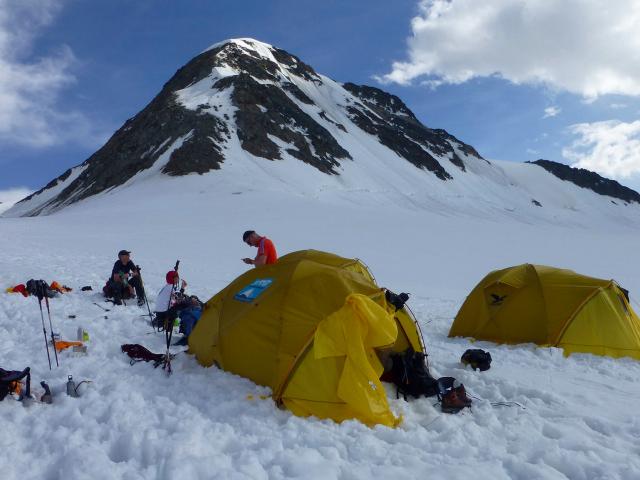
[(12, 195), (40, 200), (575, 418), (579, 417)]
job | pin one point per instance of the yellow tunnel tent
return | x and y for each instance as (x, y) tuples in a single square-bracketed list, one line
[(315, 328), (551, 307)]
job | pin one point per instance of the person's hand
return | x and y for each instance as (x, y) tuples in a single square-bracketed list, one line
[(183, 285), (248, 261)]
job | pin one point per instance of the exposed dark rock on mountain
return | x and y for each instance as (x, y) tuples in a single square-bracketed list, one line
[(387, 117), (282, 119), (588, 179)]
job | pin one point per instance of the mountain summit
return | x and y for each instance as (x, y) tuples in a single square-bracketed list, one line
[(254, 117), (270, 102)]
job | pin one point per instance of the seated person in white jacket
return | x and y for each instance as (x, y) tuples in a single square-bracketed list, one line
[(165, 303)]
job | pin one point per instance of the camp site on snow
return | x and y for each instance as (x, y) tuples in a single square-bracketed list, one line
[(217, 262), (322, 335)]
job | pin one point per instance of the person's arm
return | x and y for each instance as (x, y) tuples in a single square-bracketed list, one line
[(115, 273), (132, 268), (259, 260), (261, 257)]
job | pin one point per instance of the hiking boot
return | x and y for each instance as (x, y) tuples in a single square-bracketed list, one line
[(117, 301), (451, 403), (140, 301), (455, 400), (462, 395)]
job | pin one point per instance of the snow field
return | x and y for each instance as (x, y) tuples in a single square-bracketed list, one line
[(580, 415)]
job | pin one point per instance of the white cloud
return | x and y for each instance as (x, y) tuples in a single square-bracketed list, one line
[(587, 47), (611, 148), (551, 111), (30, 87), (11, 196)]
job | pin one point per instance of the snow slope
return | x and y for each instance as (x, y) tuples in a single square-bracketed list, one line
[(575, 418)]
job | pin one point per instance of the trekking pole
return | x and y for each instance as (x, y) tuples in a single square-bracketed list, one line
[(53, 341), (168, 326), (44, 331), (144, 292)]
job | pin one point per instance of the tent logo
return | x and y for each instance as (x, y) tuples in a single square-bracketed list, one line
[(253, 290), (497, 299)]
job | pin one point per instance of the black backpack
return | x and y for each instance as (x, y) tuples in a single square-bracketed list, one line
[(40, 289), (397, 300), (9, 380), (477, 358), (410, 374)]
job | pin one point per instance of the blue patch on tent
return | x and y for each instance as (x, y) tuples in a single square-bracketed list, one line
[(254, 290)]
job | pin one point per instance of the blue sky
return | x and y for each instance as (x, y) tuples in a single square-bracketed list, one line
[(513, 79)]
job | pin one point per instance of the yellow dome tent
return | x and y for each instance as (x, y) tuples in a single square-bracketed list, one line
[(313, 327), (550, 307)]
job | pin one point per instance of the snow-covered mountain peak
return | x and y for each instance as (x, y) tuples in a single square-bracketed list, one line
[(260, 60), (249, 116), (245, 42), (243, 100)]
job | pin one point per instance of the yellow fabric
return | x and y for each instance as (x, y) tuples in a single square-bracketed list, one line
[(354, 332), (550, 306), (271, 338), (617, 336)]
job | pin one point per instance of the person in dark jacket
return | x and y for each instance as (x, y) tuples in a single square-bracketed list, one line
[(125, 280)]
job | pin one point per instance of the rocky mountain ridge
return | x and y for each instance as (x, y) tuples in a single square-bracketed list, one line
[(246, 102), (255, 92), (591, 180)]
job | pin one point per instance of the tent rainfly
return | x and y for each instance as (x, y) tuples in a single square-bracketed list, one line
[(315, 328), (551, 307)]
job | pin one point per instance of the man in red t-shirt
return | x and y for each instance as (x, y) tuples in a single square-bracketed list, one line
[(266, 250)]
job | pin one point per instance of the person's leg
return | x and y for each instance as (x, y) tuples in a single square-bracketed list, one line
[(137, 287), (188, 321), (116, 290)]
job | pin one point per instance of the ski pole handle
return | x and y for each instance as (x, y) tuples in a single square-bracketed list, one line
[(177, 264)]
